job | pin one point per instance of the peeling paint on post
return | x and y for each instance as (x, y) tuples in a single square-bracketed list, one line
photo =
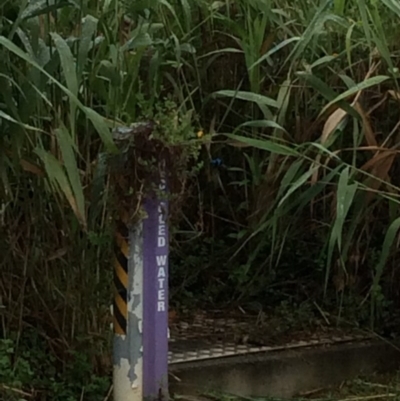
[(128, 347), (141, 282), (155, 303)]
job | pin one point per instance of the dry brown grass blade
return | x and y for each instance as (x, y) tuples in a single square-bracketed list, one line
[(370, 397), (32, 168), (237, 144), (314, 177), (27, 166), (368, 132), (329, 127), (331, 124), (337, 117), (331, 110), (57, 254), (395, 94), (17, 391), (108, 396), (379, 166), (378, 159), (269, 40), (339, 114), (73, 204)]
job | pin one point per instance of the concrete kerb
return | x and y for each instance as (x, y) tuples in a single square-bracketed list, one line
[(285, 373)]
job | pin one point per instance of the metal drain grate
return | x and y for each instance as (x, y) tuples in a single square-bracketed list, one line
[(210, 338), (219, 350), (189, 352)]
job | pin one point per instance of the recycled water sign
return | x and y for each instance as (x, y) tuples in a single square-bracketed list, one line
[(155, 302)]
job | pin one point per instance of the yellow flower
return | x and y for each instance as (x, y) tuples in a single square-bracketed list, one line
[(200, 134)]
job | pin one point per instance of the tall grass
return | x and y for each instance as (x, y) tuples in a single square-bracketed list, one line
[(338, 170), (70, 75), (299, 99)]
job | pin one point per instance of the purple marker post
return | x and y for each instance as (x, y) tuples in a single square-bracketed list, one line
[(141, 300), (155, 301)]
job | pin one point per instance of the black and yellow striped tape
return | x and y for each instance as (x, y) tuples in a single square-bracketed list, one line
[(121, 252)]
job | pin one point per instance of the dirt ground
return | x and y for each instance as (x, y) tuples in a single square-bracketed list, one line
[(377, 387)]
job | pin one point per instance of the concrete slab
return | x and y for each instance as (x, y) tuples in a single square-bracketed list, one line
[(284, 373)]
